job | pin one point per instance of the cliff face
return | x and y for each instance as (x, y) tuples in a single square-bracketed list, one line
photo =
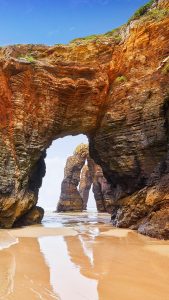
[(113, 88)]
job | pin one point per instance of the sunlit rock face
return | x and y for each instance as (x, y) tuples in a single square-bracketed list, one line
[(114, 89)]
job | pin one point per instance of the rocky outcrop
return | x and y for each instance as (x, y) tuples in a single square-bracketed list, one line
[(112, 88), (77, 182), (101, 188), (33, 216), (70, 198), (102, 191), (85, 185)]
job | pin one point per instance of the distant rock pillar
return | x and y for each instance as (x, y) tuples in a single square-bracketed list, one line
[(102, 191), (85, 185), (70, 198)]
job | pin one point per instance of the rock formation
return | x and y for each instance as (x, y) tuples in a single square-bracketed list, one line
[(70, 198), (77, 182), (85, 185), (114, 89), (103, 193), (101, 188)]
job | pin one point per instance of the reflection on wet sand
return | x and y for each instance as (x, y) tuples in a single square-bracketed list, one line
[(82, 261), (66, 279), (123, 267), (23, 273), (7, 272)]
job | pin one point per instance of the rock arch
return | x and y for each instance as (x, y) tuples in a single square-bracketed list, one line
[(114, 89)]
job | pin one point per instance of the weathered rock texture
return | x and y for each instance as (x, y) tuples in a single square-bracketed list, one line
[(102, 191), (70, 198), (77, 182), (34, 216), (101, 188), (85, 185), (113, 88)]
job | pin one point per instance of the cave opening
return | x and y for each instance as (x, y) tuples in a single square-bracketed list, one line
[(56, 157)]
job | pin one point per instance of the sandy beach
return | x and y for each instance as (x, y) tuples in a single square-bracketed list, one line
[(81, 256)]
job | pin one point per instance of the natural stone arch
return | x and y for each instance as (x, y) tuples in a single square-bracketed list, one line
[(45, 97), (115, 91)]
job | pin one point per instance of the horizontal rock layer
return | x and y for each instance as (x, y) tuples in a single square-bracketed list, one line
[(115, 90)]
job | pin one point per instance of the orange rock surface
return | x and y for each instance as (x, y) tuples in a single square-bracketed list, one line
[(114, 89)]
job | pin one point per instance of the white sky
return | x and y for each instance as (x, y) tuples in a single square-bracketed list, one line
[(55, 162)]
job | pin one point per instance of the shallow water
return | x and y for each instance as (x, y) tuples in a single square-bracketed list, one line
[(81, 256)]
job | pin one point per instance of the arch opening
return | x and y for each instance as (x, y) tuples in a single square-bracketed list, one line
[(56, 157)]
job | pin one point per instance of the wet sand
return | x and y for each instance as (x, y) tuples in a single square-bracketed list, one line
[(81, 256)]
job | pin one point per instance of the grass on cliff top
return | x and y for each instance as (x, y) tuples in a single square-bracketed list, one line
[(145, 13), (113, 34), (86, 38), (141, 11), (156, 14), (148, 13)]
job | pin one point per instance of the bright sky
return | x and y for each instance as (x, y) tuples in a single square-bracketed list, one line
[(51, 22), (59, 21)]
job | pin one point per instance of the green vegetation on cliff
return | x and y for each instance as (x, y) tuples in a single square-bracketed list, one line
[(120, 79), (28, 58), (114, 34), (141, 11), (147, 12)]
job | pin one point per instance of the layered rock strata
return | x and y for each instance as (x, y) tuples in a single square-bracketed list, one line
[(113, 88)]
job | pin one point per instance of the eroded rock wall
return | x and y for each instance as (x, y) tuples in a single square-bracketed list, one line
[(39, 102), (115, 90)]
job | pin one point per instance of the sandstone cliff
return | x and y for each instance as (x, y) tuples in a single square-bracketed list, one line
[(113, 88)]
